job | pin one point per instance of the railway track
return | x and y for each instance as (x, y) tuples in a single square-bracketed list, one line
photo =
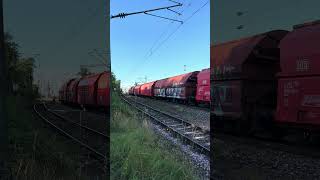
[(98, 119), (189, 133), (93, 141), (292, 147)]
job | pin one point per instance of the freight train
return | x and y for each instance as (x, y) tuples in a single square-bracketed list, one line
[(268, 82), (192, 88), (91, 91)]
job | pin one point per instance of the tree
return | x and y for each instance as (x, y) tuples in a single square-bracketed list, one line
[(12, 56), (115, 84)]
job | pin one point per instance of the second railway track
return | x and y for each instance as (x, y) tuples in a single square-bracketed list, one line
[(93, 141), (189, 133)]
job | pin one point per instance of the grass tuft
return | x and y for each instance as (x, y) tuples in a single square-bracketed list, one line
[(35, 151), (135, 150)]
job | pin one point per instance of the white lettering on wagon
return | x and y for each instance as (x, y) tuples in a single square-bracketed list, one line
[(302, 65), (289, 88), (224, 69), (311, 100)]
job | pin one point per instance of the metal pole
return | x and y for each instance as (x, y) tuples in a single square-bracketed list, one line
[(3, 93)]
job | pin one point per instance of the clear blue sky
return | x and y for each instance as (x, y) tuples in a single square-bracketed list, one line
[(133, 37)]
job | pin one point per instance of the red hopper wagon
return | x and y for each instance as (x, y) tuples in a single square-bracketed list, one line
[(203, 86), (103, 90), (147, 89), (136, 90), (244, 79), (182, 87), (298, 81), (74, 91)]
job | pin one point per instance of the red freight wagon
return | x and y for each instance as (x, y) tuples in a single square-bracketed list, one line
[(298, 84), (203, 86), (211, 81), (61, 93), (147, 89), (136, 90), (69, 91), (181, 86), (87, 90), (244, 76), (74, 91), (103, 90), (159, 89), (131, 90)]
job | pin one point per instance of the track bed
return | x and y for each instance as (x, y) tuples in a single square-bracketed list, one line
[(92, 143), (195, 115)]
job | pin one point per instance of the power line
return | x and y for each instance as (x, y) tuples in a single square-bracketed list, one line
[(163, 17), (166, 29), (195, 12), (186, 20), (164, 32), (147, 12)]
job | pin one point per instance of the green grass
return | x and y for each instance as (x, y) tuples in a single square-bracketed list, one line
[(35, 151), (136, 152)]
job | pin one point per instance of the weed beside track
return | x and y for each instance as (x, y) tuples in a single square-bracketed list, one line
[(35, 152), (136, 152)]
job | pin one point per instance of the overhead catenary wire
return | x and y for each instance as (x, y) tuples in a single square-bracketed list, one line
[(186, 20), (166, 29), (123, 15), (172, 33), (164, 32), (164, 17)]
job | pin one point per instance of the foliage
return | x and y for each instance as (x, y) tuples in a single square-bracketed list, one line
[(115, 84), (34, 152), (136, 152), (20, 69)]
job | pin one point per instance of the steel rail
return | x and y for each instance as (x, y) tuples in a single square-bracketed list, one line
[(204, 149), (173, 117), (78, 124), (95, 152)]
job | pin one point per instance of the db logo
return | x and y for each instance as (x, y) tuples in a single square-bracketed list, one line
[(302, 65)]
